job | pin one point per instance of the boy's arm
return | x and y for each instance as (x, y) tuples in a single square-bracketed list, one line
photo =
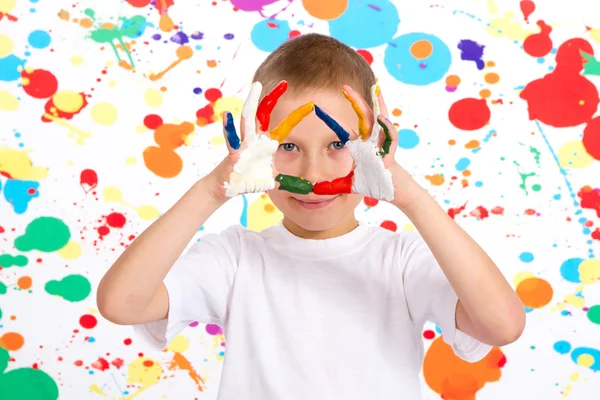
[(488, 308), (132, 292)]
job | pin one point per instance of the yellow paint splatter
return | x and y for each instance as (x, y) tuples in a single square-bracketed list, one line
[(6, 46), (217, 140), (8, 102), (521, 276), (6, 6), (18, 165), (262, 214), (585, 360), (68, 101), (71, 251), (589, 271), (573, 155), (113, 194), (81, 135), (505, 27), (96, 389), (141, 129), (104, 114), (76, 60), (112, 83), (232, 104), (575, 301), (595, 34), (179, 344), (143, 371), (130, 160), (408, 227), (148, 213), (153, 97)]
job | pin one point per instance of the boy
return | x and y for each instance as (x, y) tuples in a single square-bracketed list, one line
[(317, 307)]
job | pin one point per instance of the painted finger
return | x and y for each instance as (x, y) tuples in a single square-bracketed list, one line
[(233, 140), (248, 125), (362, 110), (294, 184), (285, 127), (332, 124), (376, 131), (267, 105), (337, 186), (390, 141), (382, 107)]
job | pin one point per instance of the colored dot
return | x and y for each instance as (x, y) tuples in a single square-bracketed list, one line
[(363, 18), (429, 334), (148, 363), (479, 184), (152, 121), (536, 187), (562, 347), (452, 80), (534, 292), (269, 34), (39, 39), (197, 90), (127, 342), (24, 282), (88, 321), (526, 257), (103, 230), (213, 329), (12, 341), (366, 55), (593, 314), (585, 360), (463, 164), (228, 36), (370, 202), (389, 225), (213, 94), (408, 139), (492, 78)]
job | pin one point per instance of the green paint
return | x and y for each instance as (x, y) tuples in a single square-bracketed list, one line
[(2, 288), (129, 27), (90, 13), (7, 261), (45, 234), (25, 383), (0, 313), (294, 184), (524, 177), (385, 148), (537, 187), (72, 288), (536, 153), (594, 314), (592, 66)]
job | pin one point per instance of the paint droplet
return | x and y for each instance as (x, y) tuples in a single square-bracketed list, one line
[(153, 98), (526, 257), (45, 234), (72, 288), (152, 121), (88, 321), (593, 314), (104, 114), (534, 292), (68, 101), (76, 60), (39, 39), (71, 251), (492, 78), (12, 341), (8, 102), (6, 46), (562, 347), (389, 225), (24, 282)]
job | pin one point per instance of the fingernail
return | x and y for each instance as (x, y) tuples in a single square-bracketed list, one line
[(232, 136)]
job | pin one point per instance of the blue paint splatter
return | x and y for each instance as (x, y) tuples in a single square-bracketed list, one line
[(472, 51), (9, 68), (580, 351), (20, 193), (408, 139), (269, 34), (39, 39), (180, 38), (562, 347), (526, 257), (244, 216), (401, 64), (570, 270), (463, 164)]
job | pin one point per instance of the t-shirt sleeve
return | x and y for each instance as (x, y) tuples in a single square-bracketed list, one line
[(430, 297), (198, 286)]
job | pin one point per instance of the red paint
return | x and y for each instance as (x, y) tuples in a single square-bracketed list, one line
[(88, 179), (564, 98), (389, 225), (429, 334), (366, 55), (527, 8), (88, 321), (530, 211), (266, 106), (502, 361), (596, 234), (590, 199), (480, 212), (205, 115), (118, 362), (272, 25), (78, 363), (127, 342), (152, 121), (293, 34), (31, 191), (539, 44), (42, 84), (337, 186), (213, 94), (148, 363), (100, 364), (2, 229), (116, 220), (469, 114), (139, 3), (498, 210), (370, 202), (455, 211), (103, 230), (51, 109), (591, 138)]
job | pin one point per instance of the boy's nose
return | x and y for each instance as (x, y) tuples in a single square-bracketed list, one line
[(314, 170)]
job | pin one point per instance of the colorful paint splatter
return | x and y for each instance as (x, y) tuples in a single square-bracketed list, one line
[(111, 109)]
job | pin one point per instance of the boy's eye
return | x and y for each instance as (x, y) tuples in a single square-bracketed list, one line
[(337, 145), (287, 146)]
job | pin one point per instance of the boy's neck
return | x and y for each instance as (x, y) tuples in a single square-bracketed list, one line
[(348, 225)]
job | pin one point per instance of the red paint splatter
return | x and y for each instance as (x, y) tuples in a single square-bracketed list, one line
[(370, 202), (591, 138), (530, 211), (336, 186), (480, 212), (148, 363), (78, 363), (590, 198), (139, 3), (469, 114), (539, 44), (204, 115), (88, 179), (100, 364), (498, 210), (117, 362), (51, 109), (127, 342), (502, 361), (116, 220), (453, 212), (11, 18), (266, 106), (429, 334), (293, 34), (152, 121), (389, 225), (596, 234), (103, 230), (88, 321), (213, 94), (272, 25), (563, 98), (2, 229), (366, 55), (42, 84), (527, 8)]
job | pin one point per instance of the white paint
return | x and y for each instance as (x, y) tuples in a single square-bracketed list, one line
[(371, 178), (253, 173), (376, 131)]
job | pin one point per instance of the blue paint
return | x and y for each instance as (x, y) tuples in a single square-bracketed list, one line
[(438, 330), (269, 34), (562, 347), (526, 257), (232, 136), (366, 24), (408, 139), (463, 164), (570, 270), (528, 310), (20, 193), (479, 184), (332, 124), (400, 63), (556, 196), (244, 216), (39, 39), (9, 68), (578, 352)]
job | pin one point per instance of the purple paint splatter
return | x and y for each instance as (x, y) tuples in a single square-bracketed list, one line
[(213, 329), (180, 38), (197, 35), (228, 36), (251, 5), (472, 51)]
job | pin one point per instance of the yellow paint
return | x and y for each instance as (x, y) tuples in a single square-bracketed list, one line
[(6, 6), (258, 216), (68, 101), (141, 129), (104, 114), (512, 30), (112, 194), (585, 360), (363, 131), (179, 344), (96, 389), (408, 227), (18, 165), (575, 376), (148, 213), (75, 131), (8, 102), (595, 34), (6, 46), (76, 60), (573, 155), (112, 83), (521, 276), (575, 301), (232, 104), (130, 160), (492, 8), (143, 371), (217, 140), (71, 251), (589, 271), (285, 127), (153, 97)]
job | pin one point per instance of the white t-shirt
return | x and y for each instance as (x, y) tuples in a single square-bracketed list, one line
[(332, 319)]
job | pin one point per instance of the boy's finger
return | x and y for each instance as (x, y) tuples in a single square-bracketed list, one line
[(389, 140), (362, 110), (382, 107), (248, 124), (285, 127), (266, 106), (231, 136), (341, 133)]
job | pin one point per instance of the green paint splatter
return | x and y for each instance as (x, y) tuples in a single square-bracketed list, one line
[(90, 13), (594, 314), (25, 383), (537, 187), (536, 153), (592, 66), (0, 313), (7, 261), (524, 177), (72, 288), (45, 234), (132, 28), (2, 288)]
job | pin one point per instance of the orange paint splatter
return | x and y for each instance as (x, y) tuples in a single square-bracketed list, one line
[(180, 362), (436, 180), (24, 282), (485, 93), (451, 142), (12, 341), (492, 77), (162, 159), (472, 144), (211, 63), (396, 112), (452, 80), (534, 292), (183, 53)]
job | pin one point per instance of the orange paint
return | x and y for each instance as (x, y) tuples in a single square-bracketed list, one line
[(472, 144), (396, 112), (436, 180), (24, 282), (455, 379), (182, 53), (86, 23), (163, 160), (180, 362), (325, 10), (211, 63), (451, 142), (363, 130), (534, 292), (11, 341), (285, 127), (491, 64), (452, 80), (485, 93), (466, 172), (492, 77)]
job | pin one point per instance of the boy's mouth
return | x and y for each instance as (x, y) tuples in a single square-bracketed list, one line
[(315, 203)]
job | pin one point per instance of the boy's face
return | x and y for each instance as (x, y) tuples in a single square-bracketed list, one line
[(313, 151)]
